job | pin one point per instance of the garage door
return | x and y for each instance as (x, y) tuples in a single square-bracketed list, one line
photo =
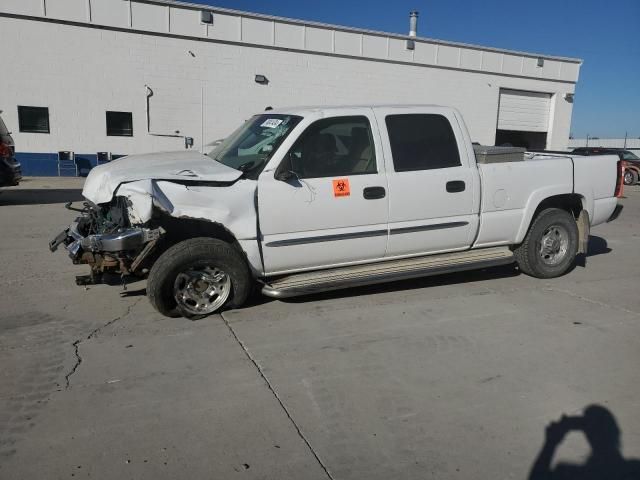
[(524, 111)]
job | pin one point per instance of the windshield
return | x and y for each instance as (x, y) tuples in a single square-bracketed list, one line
[(629, 156), (250, 147)]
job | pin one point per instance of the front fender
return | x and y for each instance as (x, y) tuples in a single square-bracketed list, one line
[(232, 207)]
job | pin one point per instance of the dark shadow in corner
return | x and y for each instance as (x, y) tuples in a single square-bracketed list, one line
[(39, 196), (133, 293), (597, 246), (605, 461), (84, 166)]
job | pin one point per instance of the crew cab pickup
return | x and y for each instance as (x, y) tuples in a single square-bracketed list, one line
[(302, 200)]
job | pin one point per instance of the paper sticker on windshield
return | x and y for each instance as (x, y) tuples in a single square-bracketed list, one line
[(341, 187), (271, 123)]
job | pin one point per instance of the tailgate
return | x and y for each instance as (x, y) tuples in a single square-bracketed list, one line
[(597, 174)]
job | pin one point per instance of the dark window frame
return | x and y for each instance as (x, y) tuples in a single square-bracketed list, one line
[(436, 167), (118, 132), (23, 128), (345, 119)]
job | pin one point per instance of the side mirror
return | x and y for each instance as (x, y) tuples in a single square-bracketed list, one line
[(285, 171), (285, 175)]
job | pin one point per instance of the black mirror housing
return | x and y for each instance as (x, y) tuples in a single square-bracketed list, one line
[(285, 175)]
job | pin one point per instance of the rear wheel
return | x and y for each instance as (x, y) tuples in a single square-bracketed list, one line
[(198, 277), (550, 247), (630, 177)]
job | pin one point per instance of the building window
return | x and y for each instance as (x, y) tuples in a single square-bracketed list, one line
[(119, 124), (33, 119)]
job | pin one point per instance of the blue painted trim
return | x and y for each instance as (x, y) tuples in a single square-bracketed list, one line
[(46, 164)]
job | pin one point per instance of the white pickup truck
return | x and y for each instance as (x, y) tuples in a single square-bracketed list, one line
[(302, 200)]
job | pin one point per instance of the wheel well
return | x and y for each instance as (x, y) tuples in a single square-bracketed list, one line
[(570, 202), (179, 229)]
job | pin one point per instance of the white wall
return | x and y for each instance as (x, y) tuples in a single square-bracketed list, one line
[(204, 88)]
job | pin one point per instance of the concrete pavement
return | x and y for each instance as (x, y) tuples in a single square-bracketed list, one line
[(449, 377)]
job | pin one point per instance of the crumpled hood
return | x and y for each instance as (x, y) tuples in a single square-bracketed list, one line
[(104, 180)]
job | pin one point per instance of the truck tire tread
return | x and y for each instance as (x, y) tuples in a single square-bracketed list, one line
[(526, 254), (166, 267)]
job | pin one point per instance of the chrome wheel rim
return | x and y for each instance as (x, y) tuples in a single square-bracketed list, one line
[(554, 245), (628, 178), (201, 291)]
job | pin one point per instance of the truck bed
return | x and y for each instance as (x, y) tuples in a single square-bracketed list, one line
[(511, 190)]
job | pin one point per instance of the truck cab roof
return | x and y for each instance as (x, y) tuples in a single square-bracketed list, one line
[(338, 109)]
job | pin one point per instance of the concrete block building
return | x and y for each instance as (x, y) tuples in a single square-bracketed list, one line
[(133, 76)]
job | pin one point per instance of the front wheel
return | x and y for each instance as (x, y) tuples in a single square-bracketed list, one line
[(198, 277), (630, 177), (549, 249)]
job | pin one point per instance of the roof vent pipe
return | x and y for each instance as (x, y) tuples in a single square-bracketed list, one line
[(413, 29)]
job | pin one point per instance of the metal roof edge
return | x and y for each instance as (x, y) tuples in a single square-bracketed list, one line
[(343, 28)]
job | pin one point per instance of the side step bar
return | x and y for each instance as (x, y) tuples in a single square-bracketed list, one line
[(386, 271)]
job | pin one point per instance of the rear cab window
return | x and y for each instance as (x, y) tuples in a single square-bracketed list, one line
[(422, 142)]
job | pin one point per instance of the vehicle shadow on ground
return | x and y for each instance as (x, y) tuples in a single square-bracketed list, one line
[(40, 196), (597, 246), (605, 460), (402, 285)]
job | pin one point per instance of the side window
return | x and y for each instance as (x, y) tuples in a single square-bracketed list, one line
[(422, 142), (334, 147)]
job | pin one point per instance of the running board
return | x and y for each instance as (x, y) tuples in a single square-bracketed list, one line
[(387, 271)]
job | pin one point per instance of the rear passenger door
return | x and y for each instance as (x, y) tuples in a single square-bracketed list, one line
[(434, 197)]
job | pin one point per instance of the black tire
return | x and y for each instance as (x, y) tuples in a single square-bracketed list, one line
[(630, 177), (190, 253), (530, 256)]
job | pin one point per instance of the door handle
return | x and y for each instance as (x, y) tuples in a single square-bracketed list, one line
[(456, 186), (374, 193)]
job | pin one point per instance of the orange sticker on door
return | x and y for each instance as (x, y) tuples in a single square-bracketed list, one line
[(341, 187)]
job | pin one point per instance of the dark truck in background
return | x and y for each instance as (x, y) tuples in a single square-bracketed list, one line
[(630, 161), (10, 172)]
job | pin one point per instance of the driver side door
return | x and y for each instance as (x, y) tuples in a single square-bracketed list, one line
[(333, 208)]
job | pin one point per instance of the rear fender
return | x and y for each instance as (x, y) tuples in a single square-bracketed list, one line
[(553, 196)]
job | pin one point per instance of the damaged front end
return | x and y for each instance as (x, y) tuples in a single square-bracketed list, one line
[(103, 238)]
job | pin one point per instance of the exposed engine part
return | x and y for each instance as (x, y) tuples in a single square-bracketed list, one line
[(103, 239), (144, 253), (123, 239)]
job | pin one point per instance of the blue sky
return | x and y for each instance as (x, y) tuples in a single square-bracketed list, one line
[(606, 35)]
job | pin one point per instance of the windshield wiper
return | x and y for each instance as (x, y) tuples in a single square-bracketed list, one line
[(246, 167)]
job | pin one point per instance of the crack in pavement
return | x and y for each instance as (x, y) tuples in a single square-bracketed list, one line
[(75, 366), (277, 397), (94, 333)]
